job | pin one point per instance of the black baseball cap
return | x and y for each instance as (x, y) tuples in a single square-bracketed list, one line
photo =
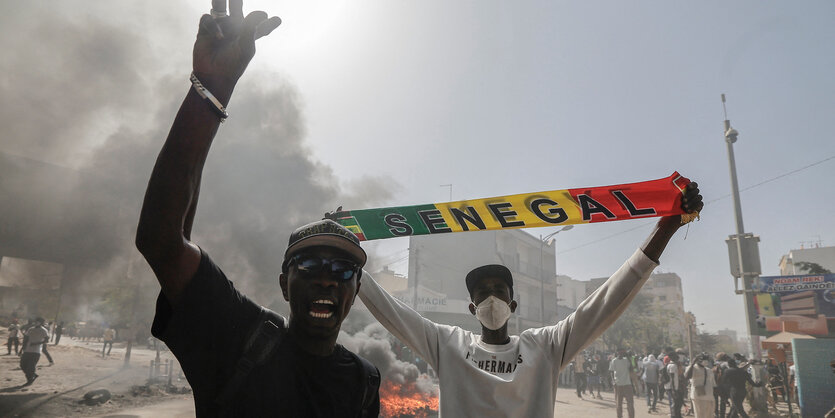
[(490, 270), (325, 233)]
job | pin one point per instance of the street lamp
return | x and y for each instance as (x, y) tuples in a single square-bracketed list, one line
[(743, 249), (542, 241)]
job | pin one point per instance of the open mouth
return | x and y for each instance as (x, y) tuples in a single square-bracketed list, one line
[(322, 308)]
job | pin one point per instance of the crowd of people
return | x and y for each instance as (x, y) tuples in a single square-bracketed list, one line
[(704, 386), (32, 339)]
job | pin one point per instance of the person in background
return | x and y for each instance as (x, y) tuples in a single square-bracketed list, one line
[(735, 379), (758, 396), (701, 386), (652, 367), (58, 331), (580, 374), (108, 337), (676, 386), (621, 369), (603, 371), (720, 391), (34, 339), (775, 382), (14, 338), (593, 375), (635, 375)]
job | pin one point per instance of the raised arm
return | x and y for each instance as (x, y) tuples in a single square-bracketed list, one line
[(224, 47), (668, 225), (418, 333), (603, 307)]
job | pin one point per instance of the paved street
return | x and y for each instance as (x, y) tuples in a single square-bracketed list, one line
[(569, 406)]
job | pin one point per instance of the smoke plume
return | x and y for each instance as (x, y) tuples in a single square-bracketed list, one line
[(374, 344), (89, 99)]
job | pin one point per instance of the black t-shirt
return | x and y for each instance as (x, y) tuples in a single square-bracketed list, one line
[(206, 331), (591, 367), (734, 380)]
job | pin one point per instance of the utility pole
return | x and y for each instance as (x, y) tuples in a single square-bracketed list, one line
[(743, 248)]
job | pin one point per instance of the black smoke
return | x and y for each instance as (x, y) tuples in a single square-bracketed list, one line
[(89, 93)]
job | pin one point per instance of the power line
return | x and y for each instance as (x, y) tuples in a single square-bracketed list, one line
[(706, 203), (775, 178)]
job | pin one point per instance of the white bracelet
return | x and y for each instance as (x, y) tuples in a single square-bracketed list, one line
[(209, 97)]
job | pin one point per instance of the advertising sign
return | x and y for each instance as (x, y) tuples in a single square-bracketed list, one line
[(802, 304)]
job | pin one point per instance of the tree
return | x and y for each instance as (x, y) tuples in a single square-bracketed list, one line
[(704, 342), (639, 327), (811, 268)]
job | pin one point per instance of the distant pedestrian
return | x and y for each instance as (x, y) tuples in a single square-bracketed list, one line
[(621, 369), (735, 379), (721, 393), (58, 331), (108, 337), (35, 338), (758, 396), (635, 375), (676, 386), (593, 375), (701, 386), (580, 374), (652, 368), (603, 371), (14, 338)]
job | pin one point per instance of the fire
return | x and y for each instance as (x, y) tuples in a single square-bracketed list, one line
[(406, 401)]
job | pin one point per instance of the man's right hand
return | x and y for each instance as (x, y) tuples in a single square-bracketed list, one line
[(226, 44)]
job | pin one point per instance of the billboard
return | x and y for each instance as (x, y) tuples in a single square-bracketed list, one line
[(802, 304)]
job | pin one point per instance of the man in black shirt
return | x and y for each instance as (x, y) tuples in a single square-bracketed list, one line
[(734, 378), (217, 334)]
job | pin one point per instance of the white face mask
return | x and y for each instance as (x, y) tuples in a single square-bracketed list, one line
[(492, 312)]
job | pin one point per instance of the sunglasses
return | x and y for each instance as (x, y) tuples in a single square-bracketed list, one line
[(311, 265)]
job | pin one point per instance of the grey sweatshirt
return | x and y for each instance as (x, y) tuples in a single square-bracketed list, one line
[(515, 379)]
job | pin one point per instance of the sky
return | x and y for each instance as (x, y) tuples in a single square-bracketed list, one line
[(498, 98), (391, 100)]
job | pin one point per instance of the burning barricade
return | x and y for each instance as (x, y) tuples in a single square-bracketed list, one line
[(406, 400), (404, 391)]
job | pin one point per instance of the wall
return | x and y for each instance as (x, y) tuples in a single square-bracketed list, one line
[(815, 379)]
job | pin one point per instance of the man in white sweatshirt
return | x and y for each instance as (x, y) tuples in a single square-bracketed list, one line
[(496, 374)]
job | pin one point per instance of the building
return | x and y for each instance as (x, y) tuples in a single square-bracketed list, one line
[(792, 263), (729, 334), (438, 265), (667, 300), (571, 292), (391, 281)]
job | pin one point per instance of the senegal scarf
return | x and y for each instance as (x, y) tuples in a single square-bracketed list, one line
[(645, 199)]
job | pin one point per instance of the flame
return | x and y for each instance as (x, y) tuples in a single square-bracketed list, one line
[(406, 401)]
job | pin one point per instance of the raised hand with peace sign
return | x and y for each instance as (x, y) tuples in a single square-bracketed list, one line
[(226, 43)]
